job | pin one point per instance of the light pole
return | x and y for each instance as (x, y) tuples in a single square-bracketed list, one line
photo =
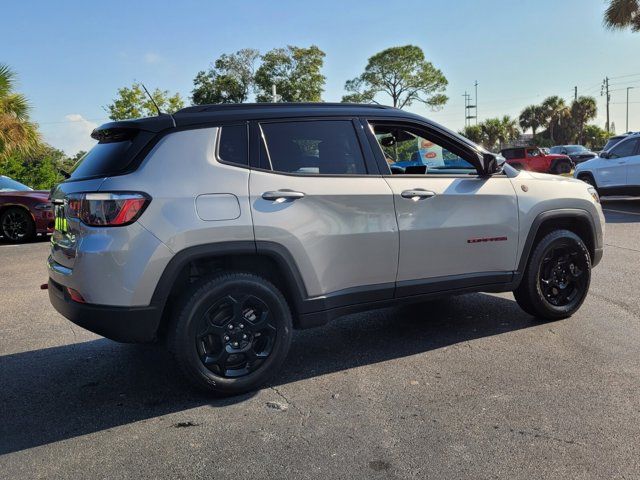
[(628, 88)]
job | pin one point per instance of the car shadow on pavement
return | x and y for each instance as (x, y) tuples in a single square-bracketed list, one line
[(621, 210), (63, 392)]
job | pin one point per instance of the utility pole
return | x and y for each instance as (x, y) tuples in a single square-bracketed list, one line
[(466, 105), (605, 91), (476, 85), (467, 110), (628, 88), (274, 94), (575, 93)]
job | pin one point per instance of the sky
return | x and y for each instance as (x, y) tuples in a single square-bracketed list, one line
[(72, 56)]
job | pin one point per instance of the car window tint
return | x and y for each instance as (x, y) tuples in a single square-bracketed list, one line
[(232, 145), (324, 147), (624, 149)]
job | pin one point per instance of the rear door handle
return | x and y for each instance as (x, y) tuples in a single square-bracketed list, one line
[(282, 195), (417, 194)]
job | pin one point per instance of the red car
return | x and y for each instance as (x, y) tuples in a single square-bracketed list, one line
[(24, 212), (535, 160)]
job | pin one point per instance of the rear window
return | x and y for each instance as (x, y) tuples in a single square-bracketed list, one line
[(111, 157)]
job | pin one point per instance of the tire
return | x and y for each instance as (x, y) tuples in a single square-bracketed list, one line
[(561, 167), (232, 333), (17, 226), (557, 277), (588, 178)]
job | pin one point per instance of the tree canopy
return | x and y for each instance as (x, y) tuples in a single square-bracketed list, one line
[(623, 14), (296, 73), (229, 80), (133, 102), (401, 73)]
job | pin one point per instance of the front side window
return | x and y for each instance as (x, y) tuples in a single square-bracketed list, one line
[(534, 152), (624, 149), (232, 144), (408, 151), (323, 147), (9, 185)]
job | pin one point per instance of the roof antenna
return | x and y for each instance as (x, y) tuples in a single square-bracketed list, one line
[(152, 100)]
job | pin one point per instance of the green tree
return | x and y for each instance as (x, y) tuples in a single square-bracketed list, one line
[(583, 110), (296, 73), (403, 74), (133, 102), (594, 137), (18, 135), (229, 80), (622, 14), (509, 130), (557, 116), (532, 117), (474, 133), (39, 169), (492, 132)]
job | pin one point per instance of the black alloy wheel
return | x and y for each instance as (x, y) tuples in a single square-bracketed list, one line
[(562, 275), (17, 225)]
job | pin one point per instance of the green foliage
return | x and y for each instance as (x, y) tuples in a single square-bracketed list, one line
[(493, 133), (39, 170), (229, 80), (134, 103), (403, 74), (623, 14), (595, 137), (473, 133), (18, 135), (294, 71), (532, 117)]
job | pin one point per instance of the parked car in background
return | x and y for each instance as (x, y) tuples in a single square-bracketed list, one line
[(24, 212), (615, 171), (535, 160), (577, 153)]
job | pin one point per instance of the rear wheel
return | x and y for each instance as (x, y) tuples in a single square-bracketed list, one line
[(557, 277), (588, 178), (562, 167), (232, 333), (17, 226)]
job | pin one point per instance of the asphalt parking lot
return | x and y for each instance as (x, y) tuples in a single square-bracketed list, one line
[(466, 387)]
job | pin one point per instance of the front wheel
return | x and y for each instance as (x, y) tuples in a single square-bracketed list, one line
[(562, 167), (557, 277), (232, 333), (17, 226)]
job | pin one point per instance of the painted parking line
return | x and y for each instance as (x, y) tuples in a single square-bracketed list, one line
[(620, 211)]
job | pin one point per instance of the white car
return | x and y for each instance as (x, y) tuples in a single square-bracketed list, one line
[(615, 171)]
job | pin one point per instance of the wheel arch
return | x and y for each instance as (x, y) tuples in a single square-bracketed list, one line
[(266, 259), (576, 220)]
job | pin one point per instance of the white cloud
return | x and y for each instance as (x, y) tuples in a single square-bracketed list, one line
[(152, 57), (72, 135)]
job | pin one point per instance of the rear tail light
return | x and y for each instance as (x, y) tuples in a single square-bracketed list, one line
[(106, 209)]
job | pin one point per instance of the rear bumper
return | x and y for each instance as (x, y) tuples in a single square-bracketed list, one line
[(122, 324)]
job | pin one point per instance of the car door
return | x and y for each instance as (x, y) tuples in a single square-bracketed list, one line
[(536, 160), (318, 195), (633, 168), (457, 228)]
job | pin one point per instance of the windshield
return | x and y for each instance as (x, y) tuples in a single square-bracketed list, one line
[(9, 185), (570, 149), (612, 142)]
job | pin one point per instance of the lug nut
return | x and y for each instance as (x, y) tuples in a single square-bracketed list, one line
[(244, 337), (241, 326), (230, 327), (235, 344), (226, 338)]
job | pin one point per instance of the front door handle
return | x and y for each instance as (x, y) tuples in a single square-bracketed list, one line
[(282, 195), (417, 194)]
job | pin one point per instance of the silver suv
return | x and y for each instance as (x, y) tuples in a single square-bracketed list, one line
[(221, 228)]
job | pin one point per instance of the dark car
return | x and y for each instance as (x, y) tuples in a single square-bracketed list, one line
[(24, 212), (577, 153)]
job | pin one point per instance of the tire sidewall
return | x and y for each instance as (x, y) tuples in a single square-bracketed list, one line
[(541, 305), (31, 228), (194, 306)]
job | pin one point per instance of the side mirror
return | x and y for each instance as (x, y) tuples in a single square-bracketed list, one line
[(604, 155), (491, 163)]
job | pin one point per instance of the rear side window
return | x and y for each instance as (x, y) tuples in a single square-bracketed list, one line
[(232, 144), (624, 149), (112, 155), (324, 147)]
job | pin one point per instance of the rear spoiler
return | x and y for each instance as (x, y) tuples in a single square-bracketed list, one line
[(125, 129)]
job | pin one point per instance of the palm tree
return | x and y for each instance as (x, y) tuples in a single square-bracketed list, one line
[(583, 110), (509, 130), (621, 14), (17, 133), (492, 132), (473, 133), (532, 117), (556, 114)]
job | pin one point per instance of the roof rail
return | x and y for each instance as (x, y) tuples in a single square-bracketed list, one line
[(240, 106)]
